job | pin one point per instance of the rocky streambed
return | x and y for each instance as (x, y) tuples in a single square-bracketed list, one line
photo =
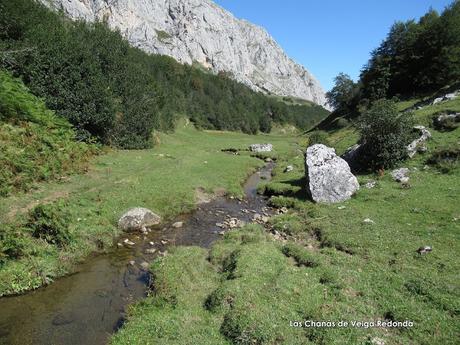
[(88, 306)]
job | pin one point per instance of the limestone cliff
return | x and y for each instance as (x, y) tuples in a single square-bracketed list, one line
[(200, 31)]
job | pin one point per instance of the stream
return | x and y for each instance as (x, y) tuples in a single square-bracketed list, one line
[(89, 305)]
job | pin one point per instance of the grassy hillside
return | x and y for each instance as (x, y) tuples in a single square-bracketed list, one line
[(324, 263), (59, 224), (36, 144)]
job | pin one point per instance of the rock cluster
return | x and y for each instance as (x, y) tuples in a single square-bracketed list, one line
[(443, 120), (447, 97), (418, 144), (261, 147), (329, 178), (199, 31)]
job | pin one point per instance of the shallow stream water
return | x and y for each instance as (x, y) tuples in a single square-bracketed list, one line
[(88, 306)]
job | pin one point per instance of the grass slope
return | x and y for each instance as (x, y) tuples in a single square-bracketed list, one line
[(82, 211), (36, 144), (330, 265)]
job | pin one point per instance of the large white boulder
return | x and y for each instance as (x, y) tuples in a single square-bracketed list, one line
[(329, 178), (137, 219)]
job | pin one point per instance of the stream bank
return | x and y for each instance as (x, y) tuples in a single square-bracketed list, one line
[(88, 306)]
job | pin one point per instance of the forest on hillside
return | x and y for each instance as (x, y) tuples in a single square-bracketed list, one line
[(117, 94), (416, 58)]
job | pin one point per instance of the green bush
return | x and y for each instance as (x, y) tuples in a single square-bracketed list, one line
[(342, 122), (385, 134), (50, 222), (13, 243), (445, 159), (318, 137)]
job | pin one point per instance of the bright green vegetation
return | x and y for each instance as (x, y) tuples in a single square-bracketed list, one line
[(385, 133), (118, 94), (330, 266), (36, 144), (45, 239)]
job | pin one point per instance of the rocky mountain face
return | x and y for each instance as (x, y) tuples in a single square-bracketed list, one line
[(199, 31)]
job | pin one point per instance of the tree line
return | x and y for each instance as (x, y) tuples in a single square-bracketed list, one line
[(416, 57), (118, 94)]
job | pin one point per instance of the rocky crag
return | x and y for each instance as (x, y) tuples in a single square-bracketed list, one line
[(199, 31)]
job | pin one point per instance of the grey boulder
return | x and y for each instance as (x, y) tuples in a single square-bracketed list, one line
[(137, 219), (401, 175), (329, 178)]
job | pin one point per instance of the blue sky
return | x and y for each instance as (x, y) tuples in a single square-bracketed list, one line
[(329, 36)]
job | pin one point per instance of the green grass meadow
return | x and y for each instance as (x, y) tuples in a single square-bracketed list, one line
[(327, 264), (163, 179)]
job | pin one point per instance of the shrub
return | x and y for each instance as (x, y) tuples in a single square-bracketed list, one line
[(36, 144), (50, 222), (12, 243), (318, 137), (384, 135), (342, 122), (445, 159)]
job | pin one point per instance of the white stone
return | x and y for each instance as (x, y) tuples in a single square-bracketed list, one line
[(329, 178), (261, 147), (401, 175), (425, 134), (137, 219)]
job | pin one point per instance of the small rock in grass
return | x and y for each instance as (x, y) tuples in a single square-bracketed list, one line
[(152, 243), (288, 168), (164, 242), (371, 184), (132, 262), (128, 242), (368, 221), (178, 225), (145, 265), (150, 251), (401, 175), (424, 250), (341, 207)]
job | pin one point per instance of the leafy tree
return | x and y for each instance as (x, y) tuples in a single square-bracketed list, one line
[(385, 134), (344, 94)]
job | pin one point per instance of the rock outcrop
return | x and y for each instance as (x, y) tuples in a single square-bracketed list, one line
[(329, 178), (137, 219), (199, 31), (419, 143)]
